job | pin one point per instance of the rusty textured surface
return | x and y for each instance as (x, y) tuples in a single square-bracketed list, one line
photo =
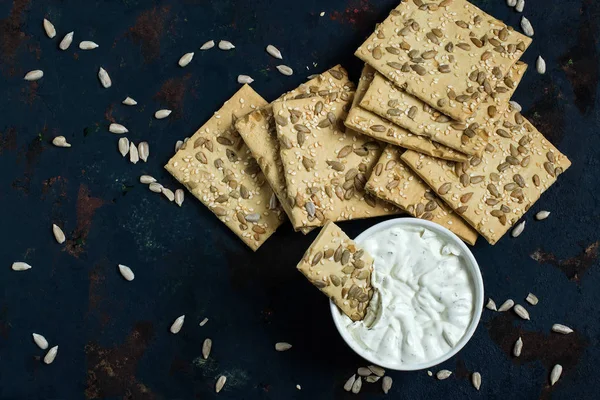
[(114, 335)]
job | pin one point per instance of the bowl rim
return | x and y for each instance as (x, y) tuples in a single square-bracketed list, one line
[(473, 268)]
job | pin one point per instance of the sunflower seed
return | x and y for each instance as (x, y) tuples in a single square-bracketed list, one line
[(104, 78), (511, 3), (429, 373), (117, 128), (226, 45), (179, 196), (443, 374), (518, 229), (177, 324), (521, 311), (34, 75), (285, 70), (51, 355), (507, 305), (220, 383), (208, 45), (357, 385), (520, 5), (310, 208), (253, 217), (560, 328), (185, 59), (129, 101), (161, 114), (540, 65), (144, 151), (518, 347), (58, 234), (516, 106), (126, 272), (244, 79), (123, 146), (364, 371), (203, 322), (40, 341), (168, 193), (374, 368), (532, 299), (526, 26), (349, 383), (372, 378), (49, 28), (88, 45), (155, 187), (206, 348), (147, 179), (134, 156), (282, 346), (555, 374), (476, 380), (178, 145), (60, 141), (273, 51), (491, 305), (386, 384), (66, 41)]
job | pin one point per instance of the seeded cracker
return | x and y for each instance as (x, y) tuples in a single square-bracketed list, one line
[(469, 137), (448, 53), (326, 165), (217, 168), (367, 123), (395, 182), (340, 269), (493, 192), (259, 132)]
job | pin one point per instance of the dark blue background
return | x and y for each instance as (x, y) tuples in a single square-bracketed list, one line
[(113, 335)]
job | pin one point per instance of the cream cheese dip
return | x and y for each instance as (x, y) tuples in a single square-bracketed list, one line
[(424, 298)]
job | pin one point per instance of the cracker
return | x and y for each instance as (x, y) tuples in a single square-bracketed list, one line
[(326, 165), (369, 124), (492, 192), (259, 132), (405, 110), (432, 49), (217, 167), (340, 269), (394, 182)]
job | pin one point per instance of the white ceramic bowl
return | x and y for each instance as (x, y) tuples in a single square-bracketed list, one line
[(473, 269)]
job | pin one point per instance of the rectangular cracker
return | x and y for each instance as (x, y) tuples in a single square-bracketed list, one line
[(525, 161), (259, 132), (386, 100), (369, 124), (217, 168), (431, 49), (326, 166), (393, 181), (340, 269)]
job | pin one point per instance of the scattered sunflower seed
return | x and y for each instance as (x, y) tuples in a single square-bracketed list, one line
[(377, 370), (203, 322), (161, 114), (511, 3), (285, 70), (244, 79), (178, 145), (253, 217), (372, 378), (144, 151), (476, 380), (60, 141), (520, 5), (20, 266), (491, 305), (179, 196), (526, 26), (58, 234), (518, 347), (226, 45), (88, 45), (532, 299), (349, 383), (34, 75), (208, 45), (364, 371), (560, 328), (507, 305), (555, 374), (542, 215), (518, 229), (134, 156), (443, 374), (274, 51), (49, 28), (117, 128), (521, 311), (186, 59), (40, 340), (66, 41), (282, 346), (220, 383), (168, 193), (129, 101), (357, 385), (540, 65), (123, 146), (155, 187), (51, 355), (386, 384), (206, 348), (147, 179), (177, 324), (126, 272), (104, 78)]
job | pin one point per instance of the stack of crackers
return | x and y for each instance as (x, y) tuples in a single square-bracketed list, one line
[(427, 131)]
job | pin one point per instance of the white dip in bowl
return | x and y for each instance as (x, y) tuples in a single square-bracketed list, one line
[(428, 296)]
